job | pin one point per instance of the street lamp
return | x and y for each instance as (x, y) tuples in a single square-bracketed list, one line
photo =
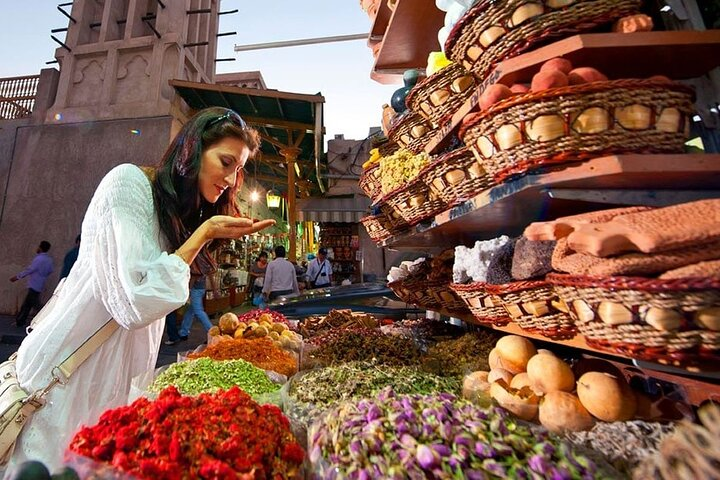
[(273, 199)]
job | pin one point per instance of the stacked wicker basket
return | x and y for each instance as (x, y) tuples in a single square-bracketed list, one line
[(535, 131)]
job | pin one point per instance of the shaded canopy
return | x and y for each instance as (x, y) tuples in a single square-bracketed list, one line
[(283, 119)]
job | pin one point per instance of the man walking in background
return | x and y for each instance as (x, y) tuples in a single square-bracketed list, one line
[(319, 273), (280, 277), (70, 258), (39, 270)]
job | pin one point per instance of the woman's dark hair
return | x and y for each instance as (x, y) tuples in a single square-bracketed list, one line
[(180, 206), (279, 251), (261, 255)]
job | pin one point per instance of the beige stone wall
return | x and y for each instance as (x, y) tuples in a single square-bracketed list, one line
[(55, 170)]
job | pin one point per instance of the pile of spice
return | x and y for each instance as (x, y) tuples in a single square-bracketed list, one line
[(317, 390), (205, 375), (437, 436), (222, 435), (369, 345), (624, 444), (261, 352), (459, 356), (259, 315), (336, 319)]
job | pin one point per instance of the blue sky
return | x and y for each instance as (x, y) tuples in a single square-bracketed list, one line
[(340, 71)]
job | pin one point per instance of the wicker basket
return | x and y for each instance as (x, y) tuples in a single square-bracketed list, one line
[(414, 202), (561, 125), (448, 298), (486, 309), (534, 306), (416, 291), (397, 222), (456, 176), (388, 148), (668, 321), (405, 294), (377, 226), (370, 182), (439, 96), (493, 31), (411, 132)]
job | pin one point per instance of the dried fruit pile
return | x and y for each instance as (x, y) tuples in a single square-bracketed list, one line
[(437, 436), (259, 326), (223, 435), (261, 352), (336, 319)]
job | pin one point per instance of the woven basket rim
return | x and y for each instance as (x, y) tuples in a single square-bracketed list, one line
[(394, 193), (515, 286), (645, 284), (440, 159), (573, 90), (405, 121), (372, 167), (469, 287), (469, 17), (370, 218), (446, 70)]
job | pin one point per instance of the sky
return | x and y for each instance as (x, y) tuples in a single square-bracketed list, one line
[(339, 71)]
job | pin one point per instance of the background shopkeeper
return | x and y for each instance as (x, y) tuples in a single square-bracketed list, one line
[(320, 270)]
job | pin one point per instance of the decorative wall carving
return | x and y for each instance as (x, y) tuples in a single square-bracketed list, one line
[(133, 78), (87, 82)]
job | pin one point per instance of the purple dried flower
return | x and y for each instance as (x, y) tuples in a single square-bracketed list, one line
[(483, 450), (425, 457), (427, 429), (462, 452), (463, 440), (315, 453), (475, 475), (408, 441), (539, 464), (494, 467), (373, 413), (364, 475), (546, 448), (502, 449), (356, 448), (446, 431), (560, 473), (441, 450)]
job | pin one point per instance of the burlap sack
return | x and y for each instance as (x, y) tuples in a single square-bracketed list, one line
[(564, 226), (653, 231), (710, 269), (567, 260)]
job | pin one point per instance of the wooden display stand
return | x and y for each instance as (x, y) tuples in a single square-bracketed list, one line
[(408, 36), (344, 240)]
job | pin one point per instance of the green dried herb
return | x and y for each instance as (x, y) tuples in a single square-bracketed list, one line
[(461, 355), (205, 375)]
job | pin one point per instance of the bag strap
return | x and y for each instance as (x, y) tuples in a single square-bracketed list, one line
[(62, 373), (83, 352)]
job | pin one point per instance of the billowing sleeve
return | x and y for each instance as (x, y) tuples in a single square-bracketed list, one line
[(137, 282)]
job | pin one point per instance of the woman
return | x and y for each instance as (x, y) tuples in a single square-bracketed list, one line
[(257, 273), (142, 237)]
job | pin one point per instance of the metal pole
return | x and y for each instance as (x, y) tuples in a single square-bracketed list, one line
[(303, 41)]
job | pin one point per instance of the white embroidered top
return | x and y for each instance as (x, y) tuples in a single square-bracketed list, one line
[(123, 272)]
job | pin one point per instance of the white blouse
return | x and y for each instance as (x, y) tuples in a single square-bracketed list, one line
[(123, 272)]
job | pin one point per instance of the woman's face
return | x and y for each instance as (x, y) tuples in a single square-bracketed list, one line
[(220, 166)]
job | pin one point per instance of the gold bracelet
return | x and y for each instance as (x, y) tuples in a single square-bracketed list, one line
[(176, 252)]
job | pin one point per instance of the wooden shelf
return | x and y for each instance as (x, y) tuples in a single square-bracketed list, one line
[(379, 26), (676, 54), (614, 180), (410, 36)]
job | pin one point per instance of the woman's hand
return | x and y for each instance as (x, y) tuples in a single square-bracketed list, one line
[(223, 226)]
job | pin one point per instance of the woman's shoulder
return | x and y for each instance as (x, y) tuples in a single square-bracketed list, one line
[(125, 183)]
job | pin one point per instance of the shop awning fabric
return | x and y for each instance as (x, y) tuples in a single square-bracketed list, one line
[(347, 210)]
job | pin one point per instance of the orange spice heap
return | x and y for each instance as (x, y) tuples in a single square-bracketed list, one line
[(261, 352)]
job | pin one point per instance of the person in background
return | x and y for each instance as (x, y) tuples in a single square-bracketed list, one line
[(143, 234), (256, 275), (280, 278), (171, 328), (39, 270), (198, 285), (319, 272), (70, 258)]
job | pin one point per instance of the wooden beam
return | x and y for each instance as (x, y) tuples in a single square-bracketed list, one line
[(272, 141), (299, 140), (278, 123), (248, 91)]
